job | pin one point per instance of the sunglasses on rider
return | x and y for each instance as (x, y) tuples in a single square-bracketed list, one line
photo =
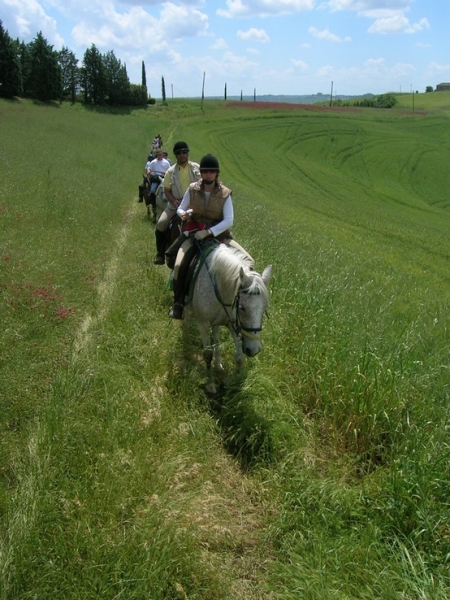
[(183, 151)]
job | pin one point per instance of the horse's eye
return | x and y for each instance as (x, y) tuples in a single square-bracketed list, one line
[(241, 307)]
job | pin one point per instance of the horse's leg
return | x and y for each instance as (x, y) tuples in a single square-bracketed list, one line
[(216, 347), (239, 357), (207, 356)]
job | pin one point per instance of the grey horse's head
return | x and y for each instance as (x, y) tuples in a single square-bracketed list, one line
[(253, 301)]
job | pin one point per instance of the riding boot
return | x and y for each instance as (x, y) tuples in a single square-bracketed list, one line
[(172, 250), (179, 284), (176, 312), (153, 204), (160, 241)]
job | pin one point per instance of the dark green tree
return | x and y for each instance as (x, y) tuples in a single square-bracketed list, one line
[(23, 53), (118, 84), (163, 89), (70, 74), (44, 77), (144, 76), (225, 93), (10, 73), (144, 85), (136, 97), (94, 81)]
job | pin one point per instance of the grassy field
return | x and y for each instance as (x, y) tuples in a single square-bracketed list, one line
[(321, 471)]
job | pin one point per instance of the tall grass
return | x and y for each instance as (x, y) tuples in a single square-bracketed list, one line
[(319, 472)]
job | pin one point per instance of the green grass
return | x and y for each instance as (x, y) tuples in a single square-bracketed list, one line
[(322, 470)]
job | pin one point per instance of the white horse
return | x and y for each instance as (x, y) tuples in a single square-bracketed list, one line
[(228, 291)]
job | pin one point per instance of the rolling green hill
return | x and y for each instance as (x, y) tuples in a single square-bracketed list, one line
[(322, 470)]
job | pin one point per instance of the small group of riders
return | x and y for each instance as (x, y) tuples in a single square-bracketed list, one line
[(204, 204), (155, 169)]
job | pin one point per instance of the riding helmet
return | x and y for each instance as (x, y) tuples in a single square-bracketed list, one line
[(180, 146), (209, 163)]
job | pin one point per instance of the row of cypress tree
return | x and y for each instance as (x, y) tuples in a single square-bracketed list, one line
[(36, 71)]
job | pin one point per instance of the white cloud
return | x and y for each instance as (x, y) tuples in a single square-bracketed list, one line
[(434, 69), (137, 29), (28, 18), (255, 35), (364, 6), (264, 8), (389, 16), (181, 22), (327, 35), (238, 66), (299, 65), (219, 44), (397, 23), (376, 71), (325, 71)]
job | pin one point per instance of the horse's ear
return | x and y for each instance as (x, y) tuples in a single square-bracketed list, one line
[(241, 274), (266, 274)]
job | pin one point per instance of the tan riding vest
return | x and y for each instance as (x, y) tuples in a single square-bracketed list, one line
[(212, 212)]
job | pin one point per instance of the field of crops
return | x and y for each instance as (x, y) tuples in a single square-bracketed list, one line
[(319, 472)]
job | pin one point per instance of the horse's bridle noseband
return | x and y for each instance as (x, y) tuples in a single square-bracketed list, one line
[(248, 332)]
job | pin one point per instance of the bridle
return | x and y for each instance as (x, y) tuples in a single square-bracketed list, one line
[(249, 332), (239, 329)]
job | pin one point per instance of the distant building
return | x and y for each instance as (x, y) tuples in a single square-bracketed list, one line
[(443, 87)]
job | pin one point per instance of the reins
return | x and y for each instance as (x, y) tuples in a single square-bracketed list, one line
[(219, 297)]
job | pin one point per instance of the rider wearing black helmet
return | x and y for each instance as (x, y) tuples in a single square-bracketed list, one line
[(176, 181), (207, 208)]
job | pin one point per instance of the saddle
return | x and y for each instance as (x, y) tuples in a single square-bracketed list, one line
[(202, 250)]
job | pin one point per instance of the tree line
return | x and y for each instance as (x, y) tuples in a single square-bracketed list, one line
[(36, 71)]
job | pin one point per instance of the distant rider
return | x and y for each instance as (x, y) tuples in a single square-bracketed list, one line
[(176, 181), (156, 170)]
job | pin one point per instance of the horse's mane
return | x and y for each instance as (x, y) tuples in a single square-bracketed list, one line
[(226, 264)]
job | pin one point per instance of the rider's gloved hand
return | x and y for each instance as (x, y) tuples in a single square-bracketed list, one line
[(201, 235)]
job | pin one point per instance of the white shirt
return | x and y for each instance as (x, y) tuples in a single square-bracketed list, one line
[(228, 212), (158, 166)]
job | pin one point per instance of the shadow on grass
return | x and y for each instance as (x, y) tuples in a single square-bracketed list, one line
[(245, 433)]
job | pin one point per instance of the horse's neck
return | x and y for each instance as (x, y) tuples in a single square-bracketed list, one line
[(227, 274)]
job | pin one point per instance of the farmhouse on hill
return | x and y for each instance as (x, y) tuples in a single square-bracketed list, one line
[(443, 87)]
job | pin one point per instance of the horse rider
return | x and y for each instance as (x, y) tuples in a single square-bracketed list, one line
[(155, 171), (207, 208), (157, 142), (176, 181)]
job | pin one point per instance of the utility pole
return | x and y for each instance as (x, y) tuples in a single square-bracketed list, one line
[(203, 89)]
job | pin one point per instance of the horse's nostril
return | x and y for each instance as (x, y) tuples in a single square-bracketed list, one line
[(251, 351)]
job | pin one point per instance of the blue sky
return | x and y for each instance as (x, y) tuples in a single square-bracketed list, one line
[(271, 46)]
